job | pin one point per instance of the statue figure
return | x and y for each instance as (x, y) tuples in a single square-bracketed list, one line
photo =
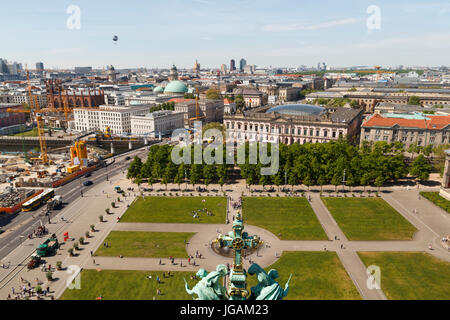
[(209, 288), (267, 288)]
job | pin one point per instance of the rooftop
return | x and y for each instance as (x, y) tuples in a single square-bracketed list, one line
[(297, 109), (429, 122)]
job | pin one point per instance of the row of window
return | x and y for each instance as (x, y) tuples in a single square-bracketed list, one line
[(306, 131)]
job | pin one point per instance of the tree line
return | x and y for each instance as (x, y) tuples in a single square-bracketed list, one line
[(334, 163)]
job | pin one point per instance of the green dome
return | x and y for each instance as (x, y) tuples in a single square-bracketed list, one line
[(158, 89), (176, 86)]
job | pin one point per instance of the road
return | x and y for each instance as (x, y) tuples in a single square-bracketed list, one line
[(18, 229)]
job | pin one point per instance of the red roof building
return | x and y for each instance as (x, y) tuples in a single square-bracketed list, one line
[(420, 129)]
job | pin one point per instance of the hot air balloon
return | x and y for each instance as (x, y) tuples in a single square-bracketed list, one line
[(115, 38)]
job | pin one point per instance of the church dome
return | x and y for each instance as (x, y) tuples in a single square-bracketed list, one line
[(158, 89), (176, 86)]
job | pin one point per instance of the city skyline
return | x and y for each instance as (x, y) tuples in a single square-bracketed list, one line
[(179, 32)]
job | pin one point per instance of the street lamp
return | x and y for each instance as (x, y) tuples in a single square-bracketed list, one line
[(285, 179), (185, 177), (343, 182)]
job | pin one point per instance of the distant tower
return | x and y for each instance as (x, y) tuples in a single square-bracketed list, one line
[(40, 68), (223, 68), (173, 73), (242, 64), (197, 67), (232, 65), (112, 74)]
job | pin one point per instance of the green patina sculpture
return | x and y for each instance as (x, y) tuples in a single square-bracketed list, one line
[(209, 288)]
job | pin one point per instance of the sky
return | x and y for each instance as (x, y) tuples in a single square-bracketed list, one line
[(278, 33)]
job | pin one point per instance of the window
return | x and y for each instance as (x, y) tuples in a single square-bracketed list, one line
[(334, 134), (386, 138), (317, 133), (377, 138), (311, 132)]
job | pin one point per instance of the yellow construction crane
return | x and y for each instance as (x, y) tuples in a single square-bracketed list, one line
[(197, 109), (34, 105)]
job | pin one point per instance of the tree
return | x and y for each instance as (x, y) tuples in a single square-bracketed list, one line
[(213, 94), (379, 181), (322, 180), (134, 170), (420, 168), (222, 174), (195, 174), (278, 180), (415, 100), (335, 181), (240, 102), (214, 125), (209, 174), (169, 173)]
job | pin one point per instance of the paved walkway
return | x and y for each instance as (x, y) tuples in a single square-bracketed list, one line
[(432, 224)]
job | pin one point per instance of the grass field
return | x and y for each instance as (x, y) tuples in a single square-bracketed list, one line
[(411, 275), (369, 219), (437, 200), (176, 210), (130, 285), (315, 276), (145, 244), (287, 218)]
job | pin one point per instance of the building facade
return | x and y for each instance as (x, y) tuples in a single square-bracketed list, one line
[(209, 110), (157, 123), (117, 118), (11, 118), (294, 124), (408, 129)]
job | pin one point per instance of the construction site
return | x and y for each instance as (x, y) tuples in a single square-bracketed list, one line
[(54, 157)]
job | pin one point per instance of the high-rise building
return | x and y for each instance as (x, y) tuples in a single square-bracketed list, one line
[(223, 68), (196, 67), (39, 66), (232, 65), (242, 64)]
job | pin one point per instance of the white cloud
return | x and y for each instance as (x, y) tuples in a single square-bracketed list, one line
[(296, 26)]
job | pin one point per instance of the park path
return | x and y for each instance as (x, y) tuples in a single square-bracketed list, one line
[(432, 224), (347, 254)]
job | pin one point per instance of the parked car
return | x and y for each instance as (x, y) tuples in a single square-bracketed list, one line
[(88, 183), (127, 158)]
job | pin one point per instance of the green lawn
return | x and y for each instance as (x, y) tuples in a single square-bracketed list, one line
[(130, 285), (30, 133), (437, 200), (176, 210), (315, 276), (411, 275), (287, 218), (145, 244), (369, 219)]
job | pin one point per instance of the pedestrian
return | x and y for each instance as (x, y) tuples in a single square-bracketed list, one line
[(158, 280), (160, 262), (189, 260), (181, 263), (158, 292), (48, 289), (93, 261), (92, 254), (13, 291)]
